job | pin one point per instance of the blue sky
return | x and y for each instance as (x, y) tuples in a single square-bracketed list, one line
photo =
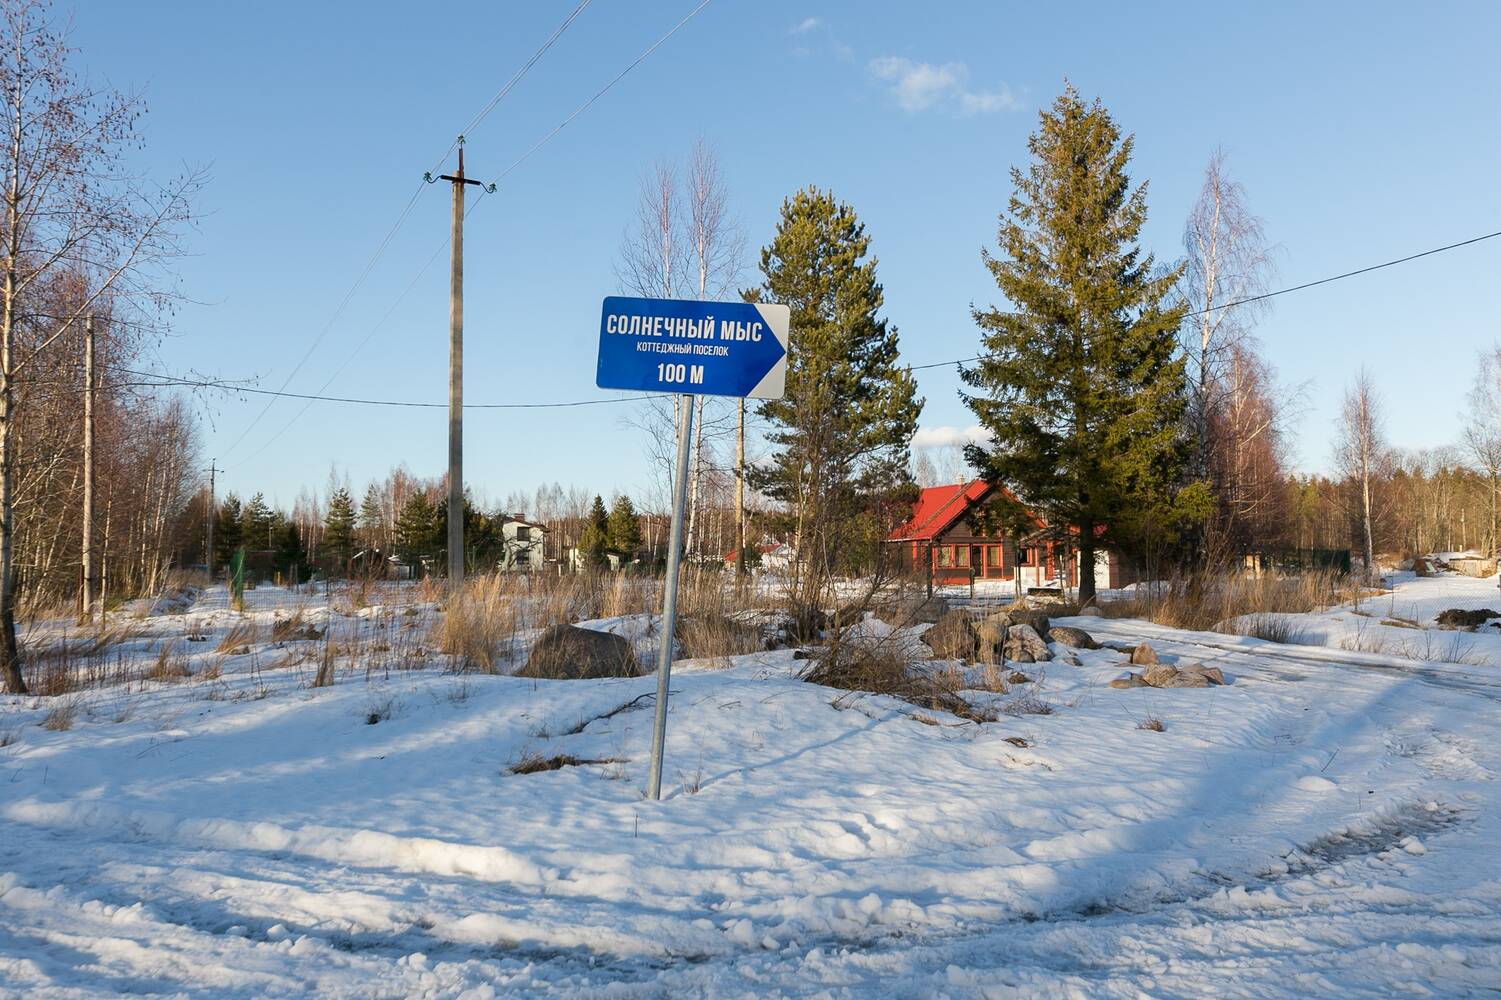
[(1361, 132)]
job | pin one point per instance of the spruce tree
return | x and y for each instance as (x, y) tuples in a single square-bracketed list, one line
[(256, 523), (594, 543), (338, 529), (229, 532), (623, 529), (372, 522), (840, 436), (291, 559), (416, 530), (1080, 383)]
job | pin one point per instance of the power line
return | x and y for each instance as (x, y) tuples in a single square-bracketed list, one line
[(169, 379), (483, 191), (1270, 295), (602, 91), (474, 122), (401, 220)]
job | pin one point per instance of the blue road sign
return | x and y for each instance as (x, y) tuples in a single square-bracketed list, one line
[(685, 346)]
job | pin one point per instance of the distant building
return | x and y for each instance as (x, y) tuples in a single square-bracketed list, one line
[(773, 557), (522, 543), (942, 536)]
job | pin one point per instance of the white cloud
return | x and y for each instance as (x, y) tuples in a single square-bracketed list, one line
[(806, 25), (949, 437), (919, 86)]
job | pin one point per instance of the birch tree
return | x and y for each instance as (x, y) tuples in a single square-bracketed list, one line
[(716, 247), (1482, 430), (1361, 454), (69, 204)]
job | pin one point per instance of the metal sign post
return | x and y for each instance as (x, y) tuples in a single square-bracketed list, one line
[(691, 348), (670, 598)]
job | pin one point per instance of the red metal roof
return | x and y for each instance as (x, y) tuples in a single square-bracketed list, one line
[(937, 507)]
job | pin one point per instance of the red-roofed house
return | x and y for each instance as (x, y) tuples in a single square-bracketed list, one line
[(941, 534)]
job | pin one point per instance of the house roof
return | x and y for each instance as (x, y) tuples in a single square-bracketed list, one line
[(765, 548), (938, 507)]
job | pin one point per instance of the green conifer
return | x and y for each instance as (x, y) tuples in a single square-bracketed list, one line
[(840, 437), (1081, 385), (624, 529)]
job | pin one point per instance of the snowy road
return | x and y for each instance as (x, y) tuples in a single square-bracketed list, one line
[(1327, 825)]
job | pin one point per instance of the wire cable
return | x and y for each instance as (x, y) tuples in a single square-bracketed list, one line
[(401, 220), (602, 92), (1270, 295), (169, 379)]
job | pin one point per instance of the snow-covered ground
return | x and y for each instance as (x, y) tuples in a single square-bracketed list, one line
[(1327, 824)]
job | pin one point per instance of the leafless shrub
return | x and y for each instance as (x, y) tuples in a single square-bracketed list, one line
[(883, 668), (9, 737), (1152, 724), (1026, 703)]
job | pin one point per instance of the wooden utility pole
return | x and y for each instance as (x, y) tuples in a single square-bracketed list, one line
[(212, 515), (740, 558), (86, 598), (456, 376)]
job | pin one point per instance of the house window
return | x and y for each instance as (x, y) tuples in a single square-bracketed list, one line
[(945, 555), (993, 558), (1024, 557), (523, 534), (961, 555)]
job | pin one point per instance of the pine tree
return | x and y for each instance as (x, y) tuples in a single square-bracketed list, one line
[(338, 530), (1081, 385), (291, 558), (372, 522), (841, 434), (229, 532), (257, 522), (594, 543), (416, 530), (623, 529)]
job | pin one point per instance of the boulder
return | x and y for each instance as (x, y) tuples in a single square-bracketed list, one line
[(1026, 616), (1159, 675), (1023, 639), (567, 652), (1186, 679), (1213, 674), (990, 638), (1143, 655), (929, 611), (1067, 635), (1017, 677), (953, 638), (1129, 681)]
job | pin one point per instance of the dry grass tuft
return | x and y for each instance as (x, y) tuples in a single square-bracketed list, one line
[(61, 716), (294, 629), (238, 640), (1203, 604), (1267, 626), (1154, 725), (532, 762), (169, 666)]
